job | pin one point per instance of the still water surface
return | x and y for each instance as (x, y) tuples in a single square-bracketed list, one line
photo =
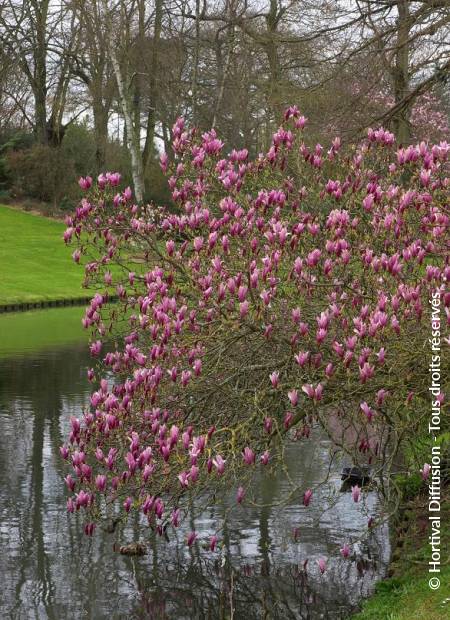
[(49, 569)]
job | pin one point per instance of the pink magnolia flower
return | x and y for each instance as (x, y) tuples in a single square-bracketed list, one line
[(293, 397), (78, 457), (243, 309), (70, 482), (212, 542), (275, 379), (265, 456), (85, 182), (303, 328), (381, 355), (307, 496), (197, 366), (193, 473), (248, 456), (356, 493), (148, 470), (242, 293), (127, 504), (367, 411), (366, 372), (318, 392), (113, 178), (219, 464), (381, 395), (314, 393), (159, 508), (296, 315), (268, 424), (265, 296), (174, 434), (198, 243), (170, 247), (240, 495), (322, 565), (175, 517), (183, 477), (164, 160), (309, 390), (425, 471), (192, 537), (302, 358), (345, 551), (102, 181), (100, 482), (185, 377), (329, 370), (288, 418), (95, 348)]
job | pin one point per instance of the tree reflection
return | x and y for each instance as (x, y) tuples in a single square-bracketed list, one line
[(208, 590)]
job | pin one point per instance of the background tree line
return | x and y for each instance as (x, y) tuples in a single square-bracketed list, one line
[(88, 85)]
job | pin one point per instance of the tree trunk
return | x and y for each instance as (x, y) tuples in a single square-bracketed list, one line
[(132, 132), (153, 86), (223, 70), (40, 72), (400, 74), (194, 87), (40, 115), (101, 133), (271, 48), (133, 145)]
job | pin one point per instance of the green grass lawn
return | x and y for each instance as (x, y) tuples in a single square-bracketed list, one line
[(35, 263)]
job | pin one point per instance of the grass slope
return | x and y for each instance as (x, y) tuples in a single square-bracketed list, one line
[(407, 595), (35, 263)]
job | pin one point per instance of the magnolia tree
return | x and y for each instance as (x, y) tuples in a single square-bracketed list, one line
[(282, 293)]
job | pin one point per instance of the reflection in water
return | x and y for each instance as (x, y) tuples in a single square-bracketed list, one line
[(51, 570)]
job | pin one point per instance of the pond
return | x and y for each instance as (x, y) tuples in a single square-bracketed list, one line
[(50, 569)]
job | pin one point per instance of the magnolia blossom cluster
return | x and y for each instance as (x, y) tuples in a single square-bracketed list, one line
[(280, 293)]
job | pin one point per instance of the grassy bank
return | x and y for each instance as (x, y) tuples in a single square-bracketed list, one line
[(406, 595), (36, 265)]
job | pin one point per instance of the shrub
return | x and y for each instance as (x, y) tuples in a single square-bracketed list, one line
[(78, 146), (289, 291), (11, 142), (42, 172)]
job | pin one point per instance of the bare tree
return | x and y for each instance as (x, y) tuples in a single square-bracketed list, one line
[(28, 31), (117, 21), (91, 65)]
